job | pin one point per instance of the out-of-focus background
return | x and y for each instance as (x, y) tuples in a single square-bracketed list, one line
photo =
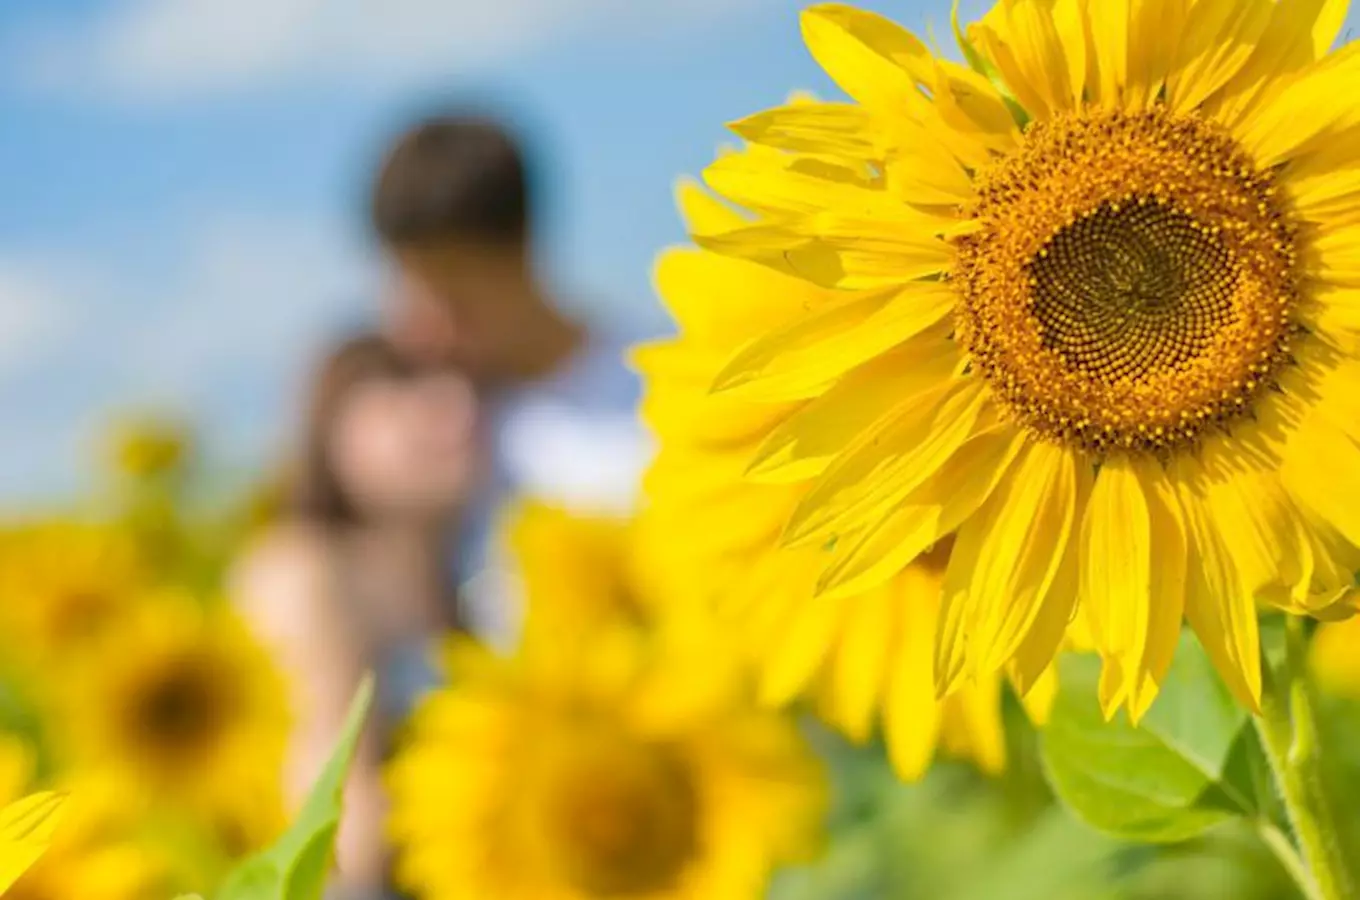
[(184, 230), (183, 181)]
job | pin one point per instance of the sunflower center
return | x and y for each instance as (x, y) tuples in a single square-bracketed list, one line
[(181, 710), (79, 613), (1131, 281), (620, 819)]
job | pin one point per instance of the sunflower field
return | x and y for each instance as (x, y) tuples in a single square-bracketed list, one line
[(1000, 541)]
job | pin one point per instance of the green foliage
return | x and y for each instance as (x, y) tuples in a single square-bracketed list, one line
[(928, 841), (295, 868), (1193, 764), (960, 836)]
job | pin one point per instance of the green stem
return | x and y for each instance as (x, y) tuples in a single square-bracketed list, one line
[(1288, 856), (1288, 729)]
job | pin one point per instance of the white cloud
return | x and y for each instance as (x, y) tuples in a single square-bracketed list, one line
[(246, 293), (165, 49), (35, 309), (222, 325)]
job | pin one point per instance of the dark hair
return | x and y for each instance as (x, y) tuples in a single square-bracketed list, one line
[(452, 176), (316, 490)]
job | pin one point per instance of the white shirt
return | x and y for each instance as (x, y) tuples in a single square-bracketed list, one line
[(573, 439)]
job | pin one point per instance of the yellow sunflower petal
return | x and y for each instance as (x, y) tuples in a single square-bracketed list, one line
[(842, 249), (1150, 51), (1039, 699), (27, 827), (1005, 560), (1262, 535), (864, 54), (1134, 580), (860, 669), (702, 211), (790, 184), (1167, 598), (802, 358), (723, 300), (888, 463), (923, 100), (1288, 42), (877, 248), (1322, 472), (1033, 664), (1222, 614), (805, 443), (971, 108), (1216, 42), (1116, 575), (970, 726), (1111, 21), (1275, 132), (911, 714), (795, 654), (1021, 39), (1325, 184), (681, 401), (929, 174), (922, 518), (1333, 660), (1073, 21), (838, 129)]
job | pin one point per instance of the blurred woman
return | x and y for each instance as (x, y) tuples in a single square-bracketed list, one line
[(354, 576)]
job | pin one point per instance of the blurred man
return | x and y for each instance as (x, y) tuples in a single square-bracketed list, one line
[(453, 209)]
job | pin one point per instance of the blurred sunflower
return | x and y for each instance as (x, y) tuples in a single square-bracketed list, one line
[(62, 582), (576, 568), (710, 534), (1334, 660), (581, 572), (147, 446), (1090, 307), (27, 827), (567, 776), (93, 854), (181, 704), (27, 823)]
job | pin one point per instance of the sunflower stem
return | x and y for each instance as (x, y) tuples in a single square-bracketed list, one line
[(1288, 729), (1288, 856)]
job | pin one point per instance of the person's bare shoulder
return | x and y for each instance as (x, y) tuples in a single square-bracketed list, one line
[(281, 580)]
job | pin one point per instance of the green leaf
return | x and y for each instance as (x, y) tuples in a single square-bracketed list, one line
[(1055, 856), (1192, 765), (1195, 714), (295, 868)]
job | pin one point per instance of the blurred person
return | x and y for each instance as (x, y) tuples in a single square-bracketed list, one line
[(453, 207), (352, 576)]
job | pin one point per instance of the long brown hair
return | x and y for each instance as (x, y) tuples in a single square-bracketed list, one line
[(317, 493)]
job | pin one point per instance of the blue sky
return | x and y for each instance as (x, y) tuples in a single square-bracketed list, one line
[(181, 181)]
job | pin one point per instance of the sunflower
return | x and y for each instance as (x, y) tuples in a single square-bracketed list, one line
[(179, 702), (568, 776), (577, 568), (579, 572), (1333, 659), (27, 827), (710, 534), (144, 446), (62, 582), (1088, 306), (94, 854)]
